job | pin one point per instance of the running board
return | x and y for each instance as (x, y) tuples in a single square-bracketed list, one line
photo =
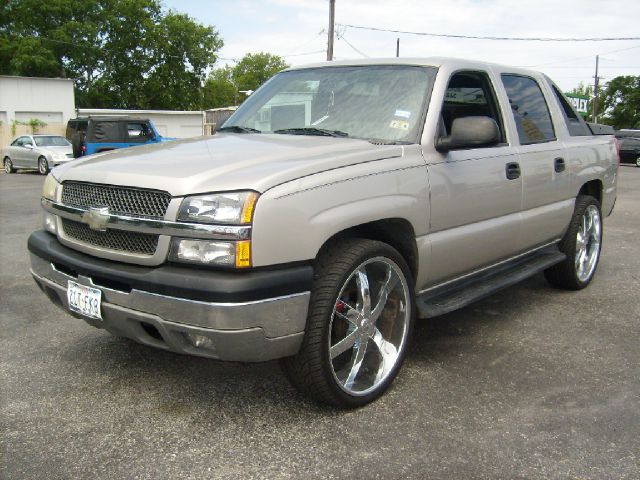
[(453, 296)]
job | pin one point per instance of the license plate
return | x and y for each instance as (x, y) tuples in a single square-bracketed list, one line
[(84, 300)]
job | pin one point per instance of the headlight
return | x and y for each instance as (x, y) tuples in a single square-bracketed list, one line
[(50, 188), (228, 208), (212, 252)]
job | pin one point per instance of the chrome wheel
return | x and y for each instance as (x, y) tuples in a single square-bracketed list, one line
[(588, 243), (8, 166), (43, 166), (638, 162), (369, 326)]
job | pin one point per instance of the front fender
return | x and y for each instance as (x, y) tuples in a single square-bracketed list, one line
[(293, 221)]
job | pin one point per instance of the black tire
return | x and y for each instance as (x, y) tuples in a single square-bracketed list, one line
[(638, 162), (43, 166), (76, 144), (8, 165), (312, 370), (567, 274)]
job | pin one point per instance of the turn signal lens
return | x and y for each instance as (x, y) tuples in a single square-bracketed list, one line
[(243, 254)]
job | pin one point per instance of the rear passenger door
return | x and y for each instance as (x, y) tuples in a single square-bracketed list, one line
[(546, 180), (476, 193)]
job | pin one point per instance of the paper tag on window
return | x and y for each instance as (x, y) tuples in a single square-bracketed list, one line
[(399, 124)]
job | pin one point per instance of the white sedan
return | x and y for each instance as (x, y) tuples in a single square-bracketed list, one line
[(41, 152)]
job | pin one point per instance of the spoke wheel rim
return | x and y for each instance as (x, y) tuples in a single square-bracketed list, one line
[(588, 241), (43, 166), (7, 166), (369, 326), (638, 162)]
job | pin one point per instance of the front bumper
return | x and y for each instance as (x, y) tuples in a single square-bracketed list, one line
[(239, 316)]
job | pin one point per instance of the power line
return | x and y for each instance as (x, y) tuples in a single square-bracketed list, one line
[(354, 48), (479, 37), (582, 57)]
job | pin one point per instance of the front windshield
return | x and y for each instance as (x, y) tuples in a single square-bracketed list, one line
[(52, 141), (378, 103)]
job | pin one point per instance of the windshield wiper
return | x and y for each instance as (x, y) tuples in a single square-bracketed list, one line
[(312, 131), (238, 129)]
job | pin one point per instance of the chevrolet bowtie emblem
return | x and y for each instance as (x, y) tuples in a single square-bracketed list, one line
[(97, 218)]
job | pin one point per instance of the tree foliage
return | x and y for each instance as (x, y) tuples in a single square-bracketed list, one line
[(621, 102), (618, 101), (122, 53), (223, 86)]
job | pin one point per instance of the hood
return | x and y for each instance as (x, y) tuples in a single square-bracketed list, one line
[(223, 162)]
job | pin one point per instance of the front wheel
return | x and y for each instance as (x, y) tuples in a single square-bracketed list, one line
[(359, 324), (43, 166), (638, 162), (581, 244)]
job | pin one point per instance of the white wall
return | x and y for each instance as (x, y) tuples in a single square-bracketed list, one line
[(170, 123), (49, 100)]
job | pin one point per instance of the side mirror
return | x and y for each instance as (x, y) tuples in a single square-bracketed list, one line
[(27, 145), (470, 132)]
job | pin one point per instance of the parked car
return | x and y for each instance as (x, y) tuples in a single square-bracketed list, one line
[(111, 133), (339, 203), (629, 146), (41, 152)]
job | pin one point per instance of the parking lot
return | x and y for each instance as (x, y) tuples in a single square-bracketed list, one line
[(532, 382)]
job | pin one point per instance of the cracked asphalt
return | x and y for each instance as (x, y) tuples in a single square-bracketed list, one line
[(532, 382)]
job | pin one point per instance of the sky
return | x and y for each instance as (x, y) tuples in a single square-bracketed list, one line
[(297, 30)]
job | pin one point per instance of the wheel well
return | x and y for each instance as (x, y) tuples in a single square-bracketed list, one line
[(592, 188), (396, 232)]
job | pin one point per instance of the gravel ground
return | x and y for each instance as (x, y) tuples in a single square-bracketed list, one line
[(532, 382)]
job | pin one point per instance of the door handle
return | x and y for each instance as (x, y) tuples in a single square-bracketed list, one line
[(558, 165), (512, 170)]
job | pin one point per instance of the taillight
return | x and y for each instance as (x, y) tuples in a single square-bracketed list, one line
[(617, 144)]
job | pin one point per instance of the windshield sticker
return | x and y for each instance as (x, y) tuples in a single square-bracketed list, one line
[(399, 125), (402, 114)]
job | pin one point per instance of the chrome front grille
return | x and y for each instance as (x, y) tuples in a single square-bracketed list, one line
[(117, 240), (120, 200)]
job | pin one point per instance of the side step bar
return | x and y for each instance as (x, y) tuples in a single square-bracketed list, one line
[(453, 296)]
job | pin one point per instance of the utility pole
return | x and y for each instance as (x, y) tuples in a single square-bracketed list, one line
[(398, 47), (332, 18), (596, 82)]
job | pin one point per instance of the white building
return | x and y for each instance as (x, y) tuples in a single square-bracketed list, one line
[(22, 99), (51, 100)]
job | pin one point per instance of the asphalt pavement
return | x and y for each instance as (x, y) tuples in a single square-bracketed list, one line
[(533, 382)]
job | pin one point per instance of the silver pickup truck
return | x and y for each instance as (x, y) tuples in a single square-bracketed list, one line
[(340, 202)]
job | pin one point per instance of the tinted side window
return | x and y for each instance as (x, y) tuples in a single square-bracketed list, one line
[(575, 123), (529, 109), (106, 131)]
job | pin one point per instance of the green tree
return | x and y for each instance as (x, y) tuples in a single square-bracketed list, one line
[(219, 89), (621, 102), (122, 53), (224, 85), (256, 68)]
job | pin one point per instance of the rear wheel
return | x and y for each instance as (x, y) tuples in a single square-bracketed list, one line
[(638, 162), (8, 165), (359, 324), (43, 166), (581, 244)]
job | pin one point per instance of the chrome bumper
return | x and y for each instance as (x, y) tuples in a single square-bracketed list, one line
[(251, 331)]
